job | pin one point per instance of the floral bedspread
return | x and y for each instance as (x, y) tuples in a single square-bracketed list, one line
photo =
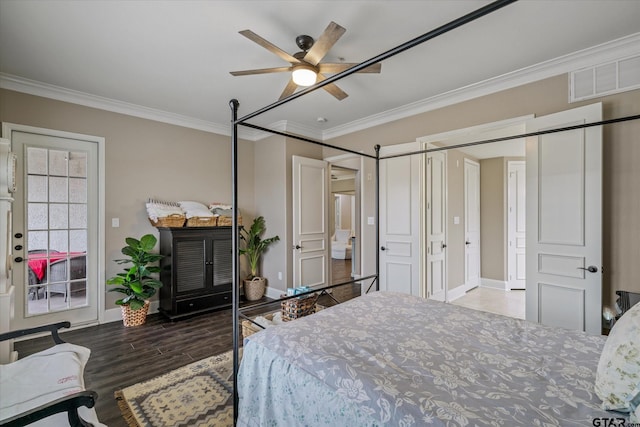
[(397, 360)]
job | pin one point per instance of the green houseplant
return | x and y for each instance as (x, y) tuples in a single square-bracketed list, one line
[(136, 282), (254, 247)]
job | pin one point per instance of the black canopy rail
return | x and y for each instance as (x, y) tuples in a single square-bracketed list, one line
[(305, 139), (322, 291), (465, 19), (508, 138)]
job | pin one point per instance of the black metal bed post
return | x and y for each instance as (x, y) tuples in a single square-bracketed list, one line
[(235, 291), (377, 217)]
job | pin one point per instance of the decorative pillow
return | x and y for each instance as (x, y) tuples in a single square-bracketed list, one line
[(618, 371)]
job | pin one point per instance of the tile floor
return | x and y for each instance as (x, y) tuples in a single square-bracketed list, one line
[(507, 303)]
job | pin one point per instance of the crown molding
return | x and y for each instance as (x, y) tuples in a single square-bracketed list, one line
[(33, 87), (616, 49)]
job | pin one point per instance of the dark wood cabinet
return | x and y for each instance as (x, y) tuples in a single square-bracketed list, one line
[(196, 270)]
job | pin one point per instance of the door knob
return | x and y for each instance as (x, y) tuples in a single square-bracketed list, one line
[(18, 259), (590, 269), (382, 248), (18, 235), (297, 247), (444, 245), (467, 242)]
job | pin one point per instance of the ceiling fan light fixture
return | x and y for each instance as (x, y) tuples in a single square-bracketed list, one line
[(304, 75)]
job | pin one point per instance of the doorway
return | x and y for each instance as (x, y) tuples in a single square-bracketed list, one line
[(343, 223), (56, 237), (485, 256)]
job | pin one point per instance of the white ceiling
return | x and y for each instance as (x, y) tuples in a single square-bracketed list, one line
[(171, 59)]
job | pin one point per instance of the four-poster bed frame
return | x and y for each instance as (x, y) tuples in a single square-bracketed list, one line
[(242, 121)]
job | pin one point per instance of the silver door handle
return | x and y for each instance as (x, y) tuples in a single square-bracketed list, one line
[(590, 269)]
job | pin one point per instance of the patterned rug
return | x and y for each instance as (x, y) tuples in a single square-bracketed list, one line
[(199, 394)]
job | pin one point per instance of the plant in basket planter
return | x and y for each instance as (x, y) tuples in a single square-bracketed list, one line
[(254, 247), (136, 281)]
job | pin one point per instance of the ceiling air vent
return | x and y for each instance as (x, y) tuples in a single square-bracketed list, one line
[(604, 79)]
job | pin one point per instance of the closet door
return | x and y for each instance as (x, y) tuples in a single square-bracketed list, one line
[(400, 230), (564, 221), (310, 222)]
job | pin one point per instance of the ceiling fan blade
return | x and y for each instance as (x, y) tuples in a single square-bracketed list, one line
[(333, 89), (328, 38), (333, 68), (269, 46), (289, 89), (260, 71)]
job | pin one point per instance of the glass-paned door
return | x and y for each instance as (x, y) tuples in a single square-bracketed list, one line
[(55, 229)]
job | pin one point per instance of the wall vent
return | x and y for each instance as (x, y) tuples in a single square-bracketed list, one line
[(605, 79)]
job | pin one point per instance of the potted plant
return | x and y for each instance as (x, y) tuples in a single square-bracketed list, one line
[(254, 247), (136, 281)]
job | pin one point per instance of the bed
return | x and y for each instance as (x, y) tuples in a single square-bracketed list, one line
[(393, 359)]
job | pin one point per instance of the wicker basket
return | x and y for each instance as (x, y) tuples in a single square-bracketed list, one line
[(202, 221), (134, 317), (298, 307), (249, 328), (227, 221), (175, 220)]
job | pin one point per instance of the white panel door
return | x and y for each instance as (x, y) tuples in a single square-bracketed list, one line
[(516, 225), (436, 218), (310, 222), (564, 221), (471, 223), (400, 190)]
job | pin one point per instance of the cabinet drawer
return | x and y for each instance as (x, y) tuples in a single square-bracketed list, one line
[(203, 302)]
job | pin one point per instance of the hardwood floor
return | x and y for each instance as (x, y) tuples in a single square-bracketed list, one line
[(123, 356)]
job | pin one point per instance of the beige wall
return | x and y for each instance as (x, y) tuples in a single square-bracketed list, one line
[(621, 159), (143, 159), (492, 219)]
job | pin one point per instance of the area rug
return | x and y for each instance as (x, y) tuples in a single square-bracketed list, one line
[(199, 394)]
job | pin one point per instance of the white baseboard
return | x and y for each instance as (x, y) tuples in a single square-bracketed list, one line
[(494, 284), (115, 314)]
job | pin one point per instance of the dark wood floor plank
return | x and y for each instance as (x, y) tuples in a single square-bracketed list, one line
[(122, 356)]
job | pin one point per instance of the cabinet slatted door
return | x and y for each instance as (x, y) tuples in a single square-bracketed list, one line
[(190, 265)]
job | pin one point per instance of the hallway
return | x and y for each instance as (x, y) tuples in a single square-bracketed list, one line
[(507, 303)]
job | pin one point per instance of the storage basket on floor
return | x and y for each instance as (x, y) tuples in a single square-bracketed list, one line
[(298, 307), (249, 328), (175, 220)]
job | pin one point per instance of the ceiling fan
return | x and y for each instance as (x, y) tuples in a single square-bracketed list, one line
[(306, 68)]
